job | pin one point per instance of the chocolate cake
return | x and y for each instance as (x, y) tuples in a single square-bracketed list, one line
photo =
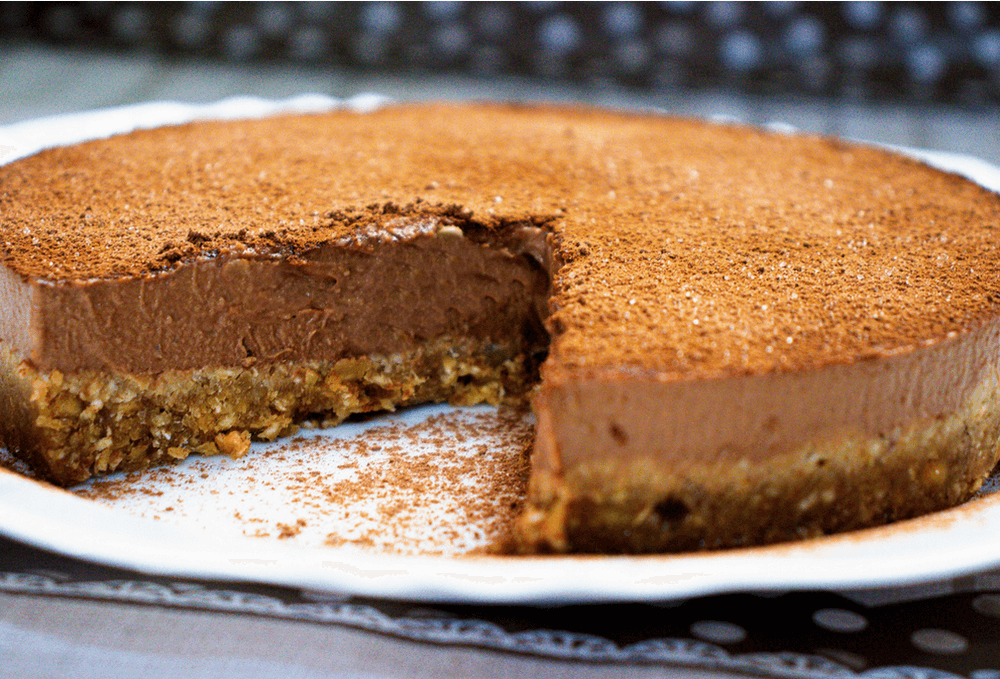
[(730, 336)]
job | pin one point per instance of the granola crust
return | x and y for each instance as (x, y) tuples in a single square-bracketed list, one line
[(76, 425)]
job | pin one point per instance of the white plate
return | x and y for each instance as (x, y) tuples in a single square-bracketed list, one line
[(261, 519)]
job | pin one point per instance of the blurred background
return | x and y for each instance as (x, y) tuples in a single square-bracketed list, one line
[(917, 74)]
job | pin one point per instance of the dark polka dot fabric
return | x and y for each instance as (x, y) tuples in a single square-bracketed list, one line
[(947, 52), (936, 630)]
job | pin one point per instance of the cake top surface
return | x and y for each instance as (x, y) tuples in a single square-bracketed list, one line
[(686, 248)]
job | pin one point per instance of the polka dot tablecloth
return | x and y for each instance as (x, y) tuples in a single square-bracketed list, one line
[(936, 630), (861, 50)]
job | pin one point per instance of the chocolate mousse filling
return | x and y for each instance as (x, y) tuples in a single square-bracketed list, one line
[(419, 279)]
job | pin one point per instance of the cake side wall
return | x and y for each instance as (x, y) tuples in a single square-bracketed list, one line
[(668, 466), (18, 322), (757, 417), (819, 488)]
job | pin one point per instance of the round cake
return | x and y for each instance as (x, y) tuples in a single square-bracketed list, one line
[(729, 336)]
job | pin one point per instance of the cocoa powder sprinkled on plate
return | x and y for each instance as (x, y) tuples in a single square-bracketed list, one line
[(451, 483)]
